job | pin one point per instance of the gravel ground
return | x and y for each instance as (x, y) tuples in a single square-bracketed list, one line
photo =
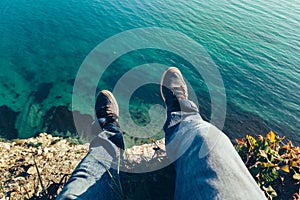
[(55, 159)]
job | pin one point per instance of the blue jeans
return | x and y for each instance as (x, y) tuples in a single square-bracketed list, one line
[(96, 176), (206, 163)]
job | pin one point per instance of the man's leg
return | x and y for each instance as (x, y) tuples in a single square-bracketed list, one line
[(95, 177), (207, 165)]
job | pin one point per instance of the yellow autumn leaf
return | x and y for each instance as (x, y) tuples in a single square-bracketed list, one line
[(265, 164), (251, 140), (294, 164), (285, 168), (271, 136)]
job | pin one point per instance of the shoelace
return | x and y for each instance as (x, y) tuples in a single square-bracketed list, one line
[(179, 91), (107, 112)]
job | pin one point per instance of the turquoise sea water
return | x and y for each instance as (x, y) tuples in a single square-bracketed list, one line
[(255, 45)]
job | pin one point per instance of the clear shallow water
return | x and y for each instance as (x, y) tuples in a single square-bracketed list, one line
[(255, 45)]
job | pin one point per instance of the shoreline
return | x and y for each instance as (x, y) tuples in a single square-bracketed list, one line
[(237, 124)]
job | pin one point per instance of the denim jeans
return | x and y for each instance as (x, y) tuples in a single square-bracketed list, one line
[(206, 163), (96, 176)]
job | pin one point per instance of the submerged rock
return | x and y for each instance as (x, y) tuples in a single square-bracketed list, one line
[(7, 122)]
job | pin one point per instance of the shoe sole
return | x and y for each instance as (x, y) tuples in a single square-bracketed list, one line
[(111, 97), (175, 70)]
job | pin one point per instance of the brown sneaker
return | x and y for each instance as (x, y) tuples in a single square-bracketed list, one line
[(107, 112), (173, 88), (107, 107)]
